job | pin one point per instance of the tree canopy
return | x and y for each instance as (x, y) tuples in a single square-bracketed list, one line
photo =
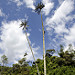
[(62, 65)]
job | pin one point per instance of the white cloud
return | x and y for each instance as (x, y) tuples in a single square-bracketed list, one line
[(14, 43), (70, 37), (1, 13), (62, 12), (29, 3), (61, 29), (48, 6), (62, 17)]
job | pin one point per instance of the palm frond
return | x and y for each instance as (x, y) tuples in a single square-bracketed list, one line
[(39, 7), (24, 25)]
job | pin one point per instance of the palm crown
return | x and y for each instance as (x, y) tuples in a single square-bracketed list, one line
[(39, 7), (24, 25)]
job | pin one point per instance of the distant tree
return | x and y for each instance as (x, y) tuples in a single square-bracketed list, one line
[(50, 52), (22, 61), (38, 9), (61, 52), (70, 48), (4, 60), (66, 57)]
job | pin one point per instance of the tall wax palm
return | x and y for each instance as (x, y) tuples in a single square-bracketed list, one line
[(24, 25), (38, 9)]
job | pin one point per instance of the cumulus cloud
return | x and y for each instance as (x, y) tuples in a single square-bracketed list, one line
[(57, 23), (29, 3), (14, 43), (1, 13), (48, 6)]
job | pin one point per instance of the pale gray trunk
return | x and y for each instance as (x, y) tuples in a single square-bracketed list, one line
[(32, 54), (43, 46)]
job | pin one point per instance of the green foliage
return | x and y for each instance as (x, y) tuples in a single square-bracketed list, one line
[(50, 52), (24, 25), (63, 65), (4, 60)]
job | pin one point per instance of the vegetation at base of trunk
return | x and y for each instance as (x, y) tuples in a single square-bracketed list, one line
[(64, 64)]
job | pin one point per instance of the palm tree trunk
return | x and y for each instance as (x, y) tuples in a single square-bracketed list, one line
[(43, 46), (32, 54)]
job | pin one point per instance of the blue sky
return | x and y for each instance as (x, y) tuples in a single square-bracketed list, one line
[(59, 24)]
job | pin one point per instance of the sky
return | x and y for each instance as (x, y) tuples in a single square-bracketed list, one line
[(59, 25)]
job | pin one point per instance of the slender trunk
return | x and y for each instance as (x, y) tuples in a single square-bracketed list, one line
[(32, 54), (43, 46)]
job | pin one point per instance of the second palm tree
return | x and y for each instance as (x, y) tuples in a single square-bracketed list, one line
[(24, 25)]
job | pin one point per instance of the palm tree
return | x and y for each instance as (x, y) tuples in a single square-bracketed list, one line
[(38, 9), (24, 25)]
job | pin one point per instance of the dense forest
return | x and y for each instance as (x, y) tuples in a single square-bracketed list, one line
[(64, 64)]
